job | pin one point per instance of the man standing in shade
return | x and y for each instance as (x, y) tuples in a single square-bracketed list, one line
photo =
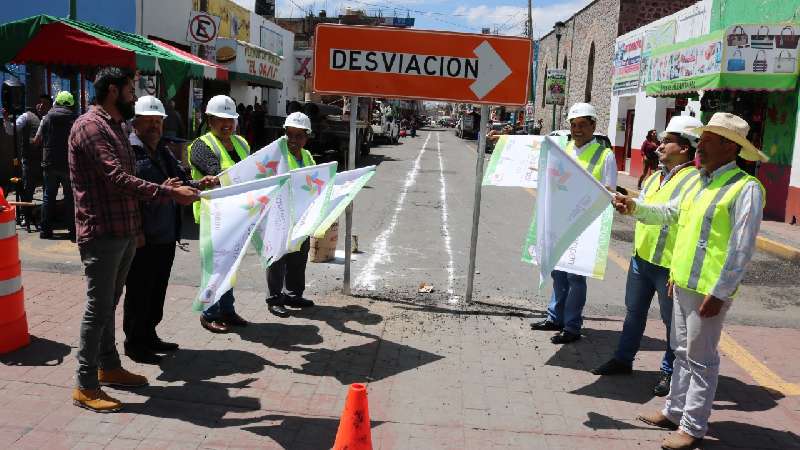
[(718, 222), (652, 254), (565, 311)]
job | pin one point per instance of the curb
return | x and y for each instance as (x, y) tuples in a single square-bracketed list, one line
[(766, 245)]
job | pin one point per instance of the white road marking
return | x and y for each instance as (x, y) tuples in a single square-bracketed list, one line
[(380, 249), (445, 228)]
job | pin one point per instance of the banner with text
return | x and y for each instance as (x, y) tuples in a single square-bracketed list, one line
[(514, 162), (267, 162)]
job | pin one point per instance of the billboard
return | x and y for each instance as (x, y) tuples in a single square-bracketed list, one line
[(555, 86), (627, 63)]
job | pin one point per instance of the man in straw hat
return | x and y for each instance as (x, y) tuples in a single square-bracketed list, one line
[(718, 221)]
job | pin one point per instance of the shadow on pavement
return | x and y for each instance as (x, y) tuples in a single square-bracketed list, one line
[(338, 317), (583, 354), (40, 352), (597, 421), (300, 432), (281, 336), (745, 435)]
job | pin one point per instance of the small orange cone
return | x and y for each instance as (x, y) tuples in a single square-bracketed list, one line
[(354, 427)]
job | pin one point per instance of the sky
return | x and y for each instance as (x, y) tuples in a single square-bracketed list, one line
[(507, 17)]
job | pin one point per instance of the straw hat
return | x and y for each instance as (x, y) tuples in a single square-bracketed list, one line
[(734, 128)]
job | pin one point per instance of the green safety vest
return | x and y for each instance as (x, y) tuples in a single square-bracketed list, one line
[(704, 225), (654, 243), (239, 144), (591, 159), (308, 160)]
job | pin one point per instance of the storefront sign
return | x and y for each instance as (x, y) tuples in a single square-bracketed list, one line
[(248, 62), (555, 86), (749, 57), (627, 63), (303, 65)]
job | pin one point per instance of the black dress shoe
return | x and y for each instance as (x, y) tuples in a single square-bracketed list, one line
[(278, 310), (565, 337), (613, 367), (234, 320), (160, 346), (661, 388), (546, 325), (142, 355), (214, 326), (298, 302)]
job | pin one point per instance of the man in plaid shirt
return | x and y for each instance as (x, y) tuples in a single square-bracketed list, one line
[(109, 228)]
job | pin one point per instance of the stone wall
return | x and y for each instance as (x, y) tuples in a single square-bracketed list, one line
[(599, 23)]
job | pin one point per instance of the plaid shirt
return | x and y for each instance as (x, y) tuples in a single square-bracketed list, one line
[(101, 168)]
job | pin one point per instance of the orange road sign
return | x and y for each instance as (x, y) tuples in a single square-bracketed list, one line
[(421, 64)]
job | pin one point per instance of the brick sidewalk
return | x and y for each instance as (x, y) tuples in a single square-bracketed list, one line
[(438, 379)]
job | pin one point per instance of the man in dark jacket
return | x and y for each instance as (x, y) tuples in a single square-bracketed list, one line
[(146, 285), (53, 135)]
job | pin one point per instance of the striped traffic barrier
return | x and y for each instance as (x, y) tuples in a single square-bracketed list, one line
[(13, 321)]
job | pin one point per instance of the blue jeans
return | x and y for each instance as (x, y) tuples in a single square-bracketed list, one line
[(644, 280), (52, 179), (221, 308), (566, 304)]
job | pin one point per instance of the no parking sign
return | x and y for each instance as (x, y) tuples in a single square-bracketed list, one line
[(203, 28)]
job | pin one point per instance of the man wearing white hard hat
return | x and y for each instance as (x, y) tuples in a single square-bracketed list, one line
[(290, 270), (648, 272), (210, 154), (148, 277), (565, 311), (718, 221)]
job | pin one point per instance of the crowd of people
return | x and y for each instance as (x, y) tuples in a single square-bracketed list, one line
[(115, 165)]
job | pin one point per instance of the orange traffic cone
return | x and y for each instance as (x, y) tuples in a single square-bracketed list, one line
[(13, 322), (354, 429)]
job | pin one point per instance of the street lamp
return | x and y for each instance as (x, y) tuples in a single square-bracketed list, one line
[(559, 30)]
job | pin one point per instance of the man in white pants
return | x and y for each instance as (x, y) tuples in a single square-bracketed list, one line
[(718, 221)]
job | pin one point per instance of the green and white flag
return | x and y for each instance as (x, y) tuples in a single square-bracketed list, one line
[(345, 187), (311, 190), (228, 217), (267, 162), (514, 162), (568, 200)]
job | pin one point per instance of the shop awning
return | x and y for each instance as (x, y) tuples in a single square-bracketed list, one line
[(249, 63), (49, 40), (210, 70), (753, 57)]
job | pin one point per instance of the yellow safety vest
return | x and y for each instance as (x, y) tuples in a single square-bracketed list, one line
[(308, 160), (704, 227), (591, 159), (654, 243), (239, 144)]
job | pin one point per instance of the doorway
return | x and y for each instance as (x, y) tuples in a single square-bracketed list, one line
[(629, 116)]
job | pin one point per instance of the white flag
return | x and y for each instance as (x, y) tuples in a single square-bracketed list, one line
[(310, 190), (514, 162), (568, 200), (345, 187), (267, 162), (228, 217)]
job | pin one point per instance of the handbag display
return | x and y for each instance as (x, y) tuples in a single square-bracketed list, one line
[(785, 62), (737, 38), (764, 41), (785, 40), (760, 65), (736, 63)]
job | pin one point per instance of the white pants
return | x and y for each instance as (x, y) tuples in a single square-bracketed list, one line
[(696, 369)]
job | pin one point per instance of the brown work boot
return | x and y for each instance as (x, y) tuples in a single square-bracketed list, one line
[(95, 400), (657, 419), (120, 377), (679, 440)]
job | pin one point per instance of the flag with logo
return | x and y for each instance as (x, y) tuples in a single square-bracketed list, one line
[(345, 187), (568, 200), (267, 162), (310, 191), (514, 162), (228, 217)]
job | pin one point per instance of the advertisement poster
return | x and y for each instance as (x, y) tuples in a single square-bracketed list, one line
[(690, 66), (761, 49), (555, 86), (627, 62), (234, 19)]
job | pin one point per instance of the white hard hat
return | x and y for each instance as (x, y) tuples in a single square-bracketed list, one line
[(149, 106), (298, 120), (222, 106), (582, 110), (684, 126)]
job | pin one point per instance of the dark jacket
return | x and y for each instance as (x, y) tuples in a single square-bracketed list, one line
[(56, 126), (161, 219)]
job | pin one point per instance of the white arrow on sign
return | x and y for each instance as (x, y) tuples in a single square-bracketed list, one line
[(491, 71)]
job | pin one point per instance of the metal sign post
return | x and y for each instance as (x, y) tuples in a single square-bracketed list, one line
[(476, 208), (348, 213)]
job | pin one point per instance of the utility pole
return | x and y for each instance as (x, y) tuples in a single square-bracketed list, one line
[(530, 36), (73, 9), (73, 79)]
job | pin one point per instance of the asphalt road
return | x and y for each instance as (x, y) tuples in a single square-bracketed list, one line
[(413, 225)]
